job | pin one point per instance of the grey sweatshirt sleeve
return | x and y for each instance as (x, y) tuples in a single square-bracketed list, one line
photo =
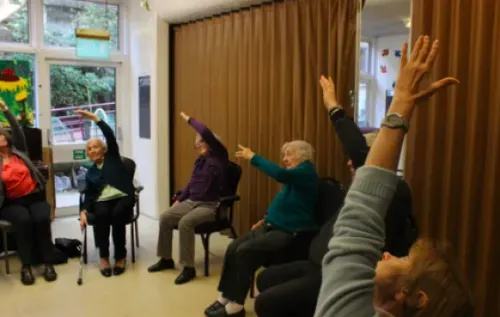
[(349, 266)]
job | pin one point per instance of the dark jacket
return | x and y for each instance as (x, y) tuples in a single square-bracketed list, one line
[(400, 225), (113, 172), (20, 149), (207, 179)]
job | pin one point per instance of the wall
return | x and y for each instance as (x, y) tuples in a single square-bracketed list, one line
[(384, 81), (148, 48)]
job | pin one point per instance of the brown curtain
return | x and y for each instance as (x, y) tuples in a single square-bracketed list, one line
[(252, 77), (453, 149)]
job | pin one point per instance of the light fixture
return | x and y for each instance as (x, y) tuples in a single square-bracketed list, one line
[(7, 9)]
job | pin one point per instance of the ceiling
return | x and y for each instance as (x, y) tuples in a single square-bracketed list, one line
[(385, 17), (380, 17)]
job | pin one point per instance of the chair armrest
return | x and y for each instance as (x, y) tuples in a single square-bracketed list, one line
[(5, 224), (229, 199), (138, 187)]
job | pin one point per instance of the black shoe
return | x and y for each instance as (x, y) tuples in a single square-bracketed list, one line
[(221, 312), (27, 277), (187, 274), (215, 306), (106, 272), (162, 265), (119, 270), (49, 273)]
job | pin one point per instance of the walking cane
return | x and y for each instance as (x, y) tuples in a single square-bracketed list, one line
[(82, 251)]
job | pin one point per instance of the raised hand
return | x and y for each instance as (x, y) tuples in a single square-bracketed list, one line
[(244, 152), (87, 115), (3, 107), (407, 92), (329, 94), (184, 116)]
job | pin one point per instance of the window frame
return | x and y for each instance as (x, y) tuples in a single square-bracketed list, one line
[(370, 80), (61, 49), (46, 54)]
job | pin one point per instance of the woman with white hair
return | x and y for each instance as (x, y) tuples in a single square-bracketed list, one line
[(108, 197), (292, 210)]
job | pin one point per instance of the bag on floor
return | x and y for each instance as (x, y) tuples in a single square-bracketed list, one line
[(72, 248), (59, 257)]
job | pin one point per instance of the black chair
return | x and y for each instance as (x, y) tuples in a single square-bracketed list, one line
[(330, 199), (226, 203), (5, 227), (133, 221)]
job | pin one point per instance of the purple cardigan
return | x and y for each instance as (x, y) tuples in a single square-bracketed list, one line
[(207, 179)]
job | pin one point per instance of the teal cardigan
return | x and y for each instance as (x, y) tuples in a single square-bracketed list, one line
[(293, 208)]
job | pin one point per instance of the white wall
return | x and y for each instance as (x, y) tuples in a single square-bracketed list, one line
[(149, 53), (385, 81)]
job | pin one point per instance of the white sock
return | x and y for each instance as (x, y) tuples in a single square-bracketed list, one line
[(223, 301), (233, 308)]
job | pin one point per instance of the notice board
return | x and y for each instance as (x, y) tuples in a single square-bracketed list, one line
[(145, 107)]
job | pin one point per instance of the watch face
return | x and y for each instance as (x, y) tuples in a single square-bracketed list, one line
[(394, 119)]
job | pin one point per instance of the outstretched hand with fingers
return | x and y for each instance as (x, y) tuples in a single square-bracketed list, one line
[(329, 93), (244, 152), (407, 92)]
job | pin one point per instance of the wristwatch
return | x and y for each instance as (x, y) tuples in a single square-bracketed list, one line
[(396, 121), (334, 109)]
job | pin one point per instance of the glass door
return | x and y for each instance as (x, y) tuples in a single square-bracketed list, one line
[(74, 86)]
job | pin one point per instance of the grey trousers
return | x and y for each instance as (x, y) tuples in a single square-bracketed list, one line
[(186, 216)]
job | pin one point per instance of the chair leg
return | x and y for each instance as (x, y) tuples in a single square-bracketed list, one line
[(205, 238), (6, 251), (132, 241), (85, 244), (252, 286), (136, 232), (233, 232)]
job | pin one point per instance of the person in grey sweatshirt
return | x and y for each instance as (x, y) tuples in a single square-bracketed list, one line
[(358, 281)]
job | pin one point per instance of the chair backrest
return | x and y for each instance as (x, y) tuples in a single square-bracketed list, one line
[(331, 197), (232, 176), (129, 165)]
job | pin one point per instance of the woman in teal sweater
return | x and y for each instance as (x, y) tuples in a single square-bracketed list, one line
[(291, 210)]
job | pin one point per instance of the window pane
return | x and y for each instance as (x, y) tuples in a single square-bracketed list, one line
[(362, 105), (62, 17), (14, 21), (364, 57), (81, 87), (17, 89)]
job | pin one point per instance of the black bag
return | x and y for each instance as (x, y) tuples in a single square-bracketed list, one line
[(72, 248), (59, 257)]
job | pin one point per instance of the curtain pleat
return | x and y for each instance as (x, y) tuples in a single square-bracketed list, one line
[(453, 157), (252, 77)]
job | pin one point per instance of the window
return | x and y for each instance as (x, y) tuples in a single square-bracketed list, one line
[(364, 57), (81, 87), (14, 21), (363, 96), (62, 17), (17, 89)]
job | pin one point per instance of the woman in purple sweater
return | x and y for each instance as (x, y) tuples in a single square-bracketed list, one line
[(196, 204)]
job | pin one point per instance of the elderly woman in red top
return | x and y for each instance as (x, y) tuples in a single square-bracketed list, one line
[(23, 202)]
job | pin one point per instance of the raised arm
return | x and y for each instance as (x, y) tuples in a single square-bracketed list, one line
[(18, 138), (347, 130), (282, 175), (218, 149), (349, 266), (286, 176), (109, 135)]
